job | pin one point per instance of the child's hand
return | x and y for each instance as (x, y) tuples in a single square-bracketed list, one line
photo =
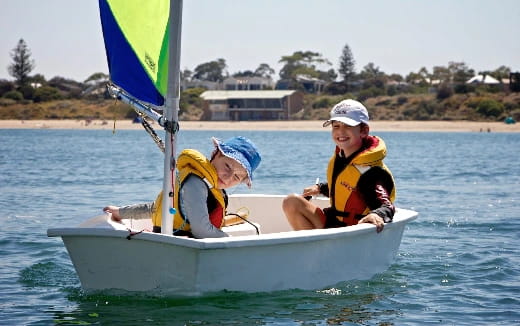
[(311, 191), (114, 210), (374, 219)]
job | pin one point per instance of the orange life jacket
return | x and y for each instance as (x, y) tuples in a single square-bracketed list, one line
[(347, 201)]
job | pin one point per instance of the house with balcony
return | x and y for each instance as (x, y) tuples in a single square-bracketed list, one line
[(247, 83), (243, 105)]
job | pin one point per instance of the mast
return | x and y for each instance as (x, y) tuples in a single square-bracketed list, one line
[(171, 111)]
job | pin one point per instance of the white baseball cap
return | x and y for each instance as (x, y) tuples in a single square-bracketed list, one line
[(349, 112)]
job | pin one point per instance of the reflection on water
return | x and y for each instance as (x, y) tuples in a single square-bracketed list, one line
[(355, 303)]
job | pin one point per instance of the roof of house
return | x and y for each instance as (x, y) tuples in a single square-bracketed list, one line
[(225, 95), (484, 79)]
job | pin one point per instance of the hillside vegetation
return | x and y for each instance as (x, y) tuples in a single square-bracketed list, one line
[(451, 92), (470, 106)]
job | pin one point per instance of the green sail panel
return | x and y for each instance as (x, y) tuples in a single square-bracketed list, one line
[(136, 42)]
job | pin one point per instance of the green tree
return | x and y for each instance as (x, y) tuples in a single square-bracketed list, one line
[(264, 70), (329, 75), (372, 76), (96, 78), (22, 63), (500, 73), (246, 73), (347, 64), (422, 79), (396, 77), (442, 74), (301, 63), (426, 77), (186, 75), (38, 79), (460, 72), (69, 88), (211, 71), (370, 71), (413, 78)]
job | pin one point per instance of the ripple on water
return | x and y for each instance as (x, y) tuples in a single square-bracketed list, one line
[(48, 274)]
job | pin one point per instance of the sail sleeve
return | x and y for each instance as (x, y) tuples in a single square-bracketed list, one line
[(136, 44)]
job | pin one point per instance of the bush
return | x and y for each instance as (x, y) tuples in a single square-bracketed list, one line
[(384, 102), (515, 114), (27, 92), (430, 108), (473, 102), (323, 102), (490, 108), (464, 88), (444, 92), (46, 93), (336, 88), (14, 95), (6, 86), (6, 101), (392, 90), (402, 100), (370, 92)]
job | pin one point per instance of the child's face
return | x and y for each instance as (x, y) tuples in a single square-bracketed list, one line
[(230, 172), (348, 138)]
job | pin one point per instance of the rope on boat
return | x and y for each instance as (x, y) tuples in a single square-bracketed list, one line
[(132, 233), (244, 217)]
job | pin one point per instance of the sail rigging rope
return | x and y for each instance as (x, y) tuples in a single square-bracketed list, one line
[(149, 129), (116, 92)]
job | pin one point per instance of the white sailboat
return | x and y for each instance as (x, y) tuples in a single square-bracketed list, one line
[(264, 254)]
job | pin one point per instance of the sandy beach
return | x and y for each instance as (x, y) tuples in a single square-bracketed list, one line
[(307, 125)]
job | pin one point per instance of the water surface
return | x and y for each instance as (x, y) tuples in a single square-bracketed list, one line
[(458, 263)]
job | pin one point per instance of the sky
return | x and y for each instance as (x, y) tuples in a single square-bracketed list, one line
[(398, 36)]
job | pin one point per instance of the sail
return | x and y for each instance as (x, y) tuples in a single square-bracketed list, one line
[(136, 42)]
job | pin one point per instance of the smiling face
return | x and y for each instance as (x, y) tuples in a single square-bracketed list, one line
[(230, 172), (348, 138)]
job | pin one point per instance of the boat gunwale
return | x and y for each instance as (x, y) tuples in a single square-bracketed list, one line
[(268, 239)]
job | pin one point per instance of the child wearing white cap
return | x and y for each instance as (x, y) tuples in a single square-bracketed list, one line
[(360, 186), (200, 180)]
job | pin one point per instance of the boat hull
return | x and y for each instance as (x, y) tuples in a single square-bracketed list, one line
[(167, 265)]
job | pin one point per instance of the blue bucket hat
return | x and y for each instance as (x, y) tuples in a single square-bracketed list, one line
[(241, 150)]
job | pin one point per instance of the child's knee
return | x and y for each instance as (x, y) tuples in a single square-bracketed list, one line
[(290, 202)]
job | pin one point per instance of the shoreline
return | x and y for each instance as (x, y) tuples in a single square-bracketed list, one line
[(293, 125)]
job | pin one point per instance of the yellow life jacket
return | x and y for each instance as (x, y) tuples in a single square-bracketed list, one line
[(191, 162), (347, 200)]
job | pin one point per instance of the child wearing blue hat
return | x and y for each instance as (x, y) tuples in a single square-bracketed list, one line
[(201, 180)]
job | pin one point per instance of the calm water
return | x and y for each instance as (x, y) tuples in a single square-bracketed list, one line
[(458, 264)]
